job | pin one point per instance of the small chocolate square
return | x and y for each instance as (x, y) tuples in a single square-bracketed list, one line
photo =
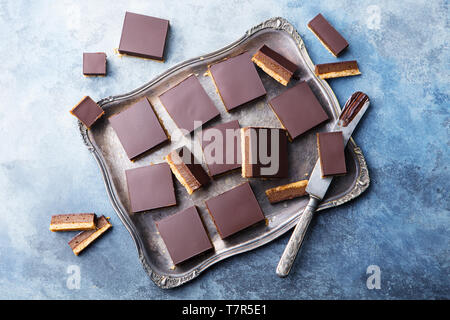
[(331, 153), (87, 111), (237, 80), (184, 235), (138, 128), (264, 152), (143, 36), (150, 187), (188, 104), (298, 109), (221, 146), (94, 64), (234, 210)]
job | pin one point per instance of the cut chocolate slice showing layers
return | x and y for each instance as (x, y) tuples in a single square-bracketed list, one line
[(187, 169), (274, 64)]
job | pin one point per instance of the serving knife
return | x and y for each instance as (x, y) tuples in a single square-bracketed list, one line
[(354, 109)]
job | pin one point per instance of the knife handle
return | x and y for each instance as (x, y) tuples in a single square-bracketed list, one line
[(296, 240)]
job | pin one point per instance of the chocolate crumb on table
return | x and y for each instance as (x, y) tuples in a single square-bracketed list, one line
[(85, 238), (184, 235), (269, 163), (274, 64), (72, 222), (331, 153), (328, 35), (94, 64), (234, 210), (287, 192), (87, 111), (143, 36), (187, 170), (337, 69)]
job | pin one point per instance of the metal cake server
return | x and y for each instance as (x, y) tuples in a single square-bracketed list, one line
[(354, 109)]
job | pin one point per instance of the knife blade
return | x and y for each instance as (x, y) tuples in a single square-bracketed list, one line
[(353, 111)]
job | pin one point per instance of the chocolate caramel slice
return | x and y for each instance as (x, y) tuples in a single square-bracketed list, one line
[(184, 235), (264, 152), (72, 222), (329, 36), (237, 81), (331, 153), (187, 169), (87, 111), (234, 210), (94, 64), (274, 64), (85, 238), (287, 191), (337, 69)]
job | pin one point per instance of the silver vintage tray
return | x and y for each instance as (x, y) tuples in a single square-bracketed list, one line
[(101, 140)]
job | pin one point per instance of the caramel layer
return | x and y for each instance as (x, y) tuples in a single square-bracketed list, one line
[(287, 191)]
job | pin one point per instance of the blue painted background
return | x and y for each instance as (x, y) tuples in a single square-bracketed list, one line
[(400, 224)]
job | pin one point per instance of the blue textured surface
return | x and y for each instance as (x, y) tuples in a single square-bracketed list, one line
[(400, 224)]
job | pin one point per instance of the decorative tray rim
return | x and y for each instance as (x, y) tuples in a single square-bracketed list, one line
[(167, 281)]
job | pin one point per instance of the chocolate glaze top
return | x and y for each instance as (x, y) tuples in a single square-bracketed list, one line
[(235, 210), (143, 36), (184, 234), (328, 34), (331, 153), (281, 60), (237, 80), (352, 107), (229, 145), (94, 63), (138, 128), (150, 187), (187, 102), (298, 109), (87, 111)]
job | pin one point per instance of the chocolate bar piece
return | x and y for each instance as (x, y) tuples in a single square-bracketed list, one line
[(87, 111), (72, 222), (274, 64), (143, 36), (234, 210), (221, 146), (298, 109), (331, 153), (138, 128), (184, 235), (85, 238), (287, 191), (187, 169), (188, 104), (150, 187), (237, 81), (264, 152), (330, 38), (94, 64), (337, 69)]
